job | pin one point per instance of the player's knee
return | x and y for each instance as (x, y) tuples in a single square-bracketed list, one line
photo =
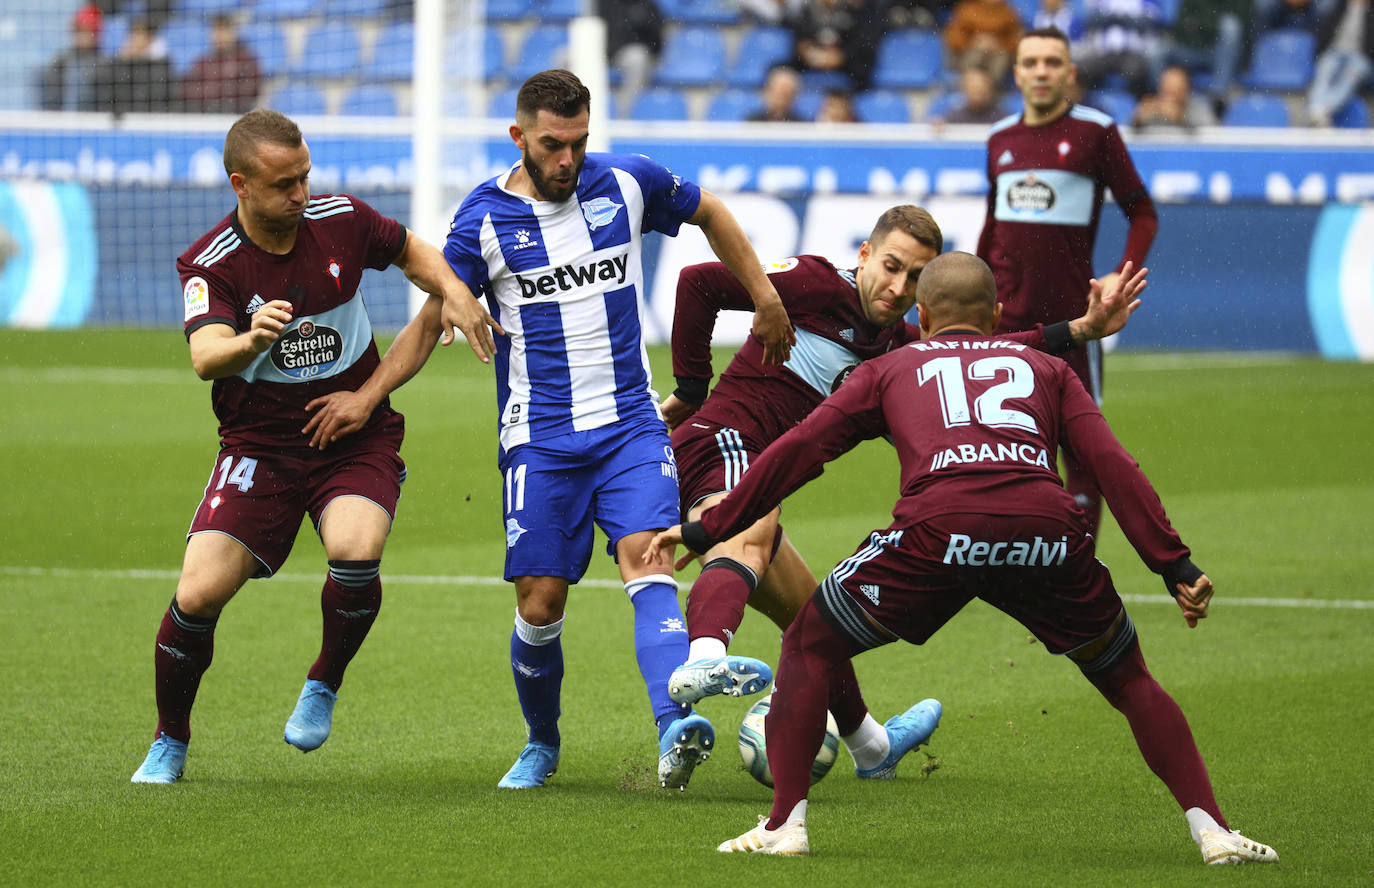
[(1104, 655), (357, 574), (540, 600), (202, 598), (740, 568)]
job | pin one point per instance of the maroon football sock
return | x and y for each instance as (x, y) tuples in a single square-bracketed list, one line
[(846, 702), (716, 603), (812, 652), (1161, 732), (185, 646), (349, 602)]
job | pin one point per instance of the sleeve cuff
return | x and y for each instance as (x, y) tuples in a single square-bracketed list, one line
[(1058, 338), (1181, 571), (692, 390), (694, 537)]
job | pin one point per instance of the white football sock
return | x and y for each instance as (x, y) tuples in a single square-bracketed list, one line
[(798, 815), (705, 648), (1198, 820), (868, 745)]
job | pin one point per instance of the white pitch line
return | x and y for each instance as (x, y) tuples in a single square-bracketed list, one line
[(460, 580)]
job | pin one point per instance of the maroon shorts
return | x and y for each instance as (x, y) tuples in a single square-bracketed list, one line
[(710, 459), (258, 495), (912, 580)]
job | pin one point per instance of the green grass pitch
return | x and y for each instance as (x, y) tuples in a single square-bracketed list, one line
[(106, 438)]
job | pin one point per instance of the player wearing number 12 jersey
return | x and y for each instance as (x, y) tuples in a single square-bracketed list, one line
[(976, 420), (273, 316)]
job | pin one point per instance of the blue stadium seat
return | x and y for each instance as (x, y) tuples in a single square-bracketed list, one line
[(204, 9), (759, 49), (280, 9), (732, 105), (393, 55), (113, 32), (457, 56), (659, 103), (511, 10), (1282, 60), (187, 40), (824, 81), (808, 103), (545, 47), (882, 106), (691, 57), (700, 12), (1256, 109), (1117, 103), (1025, 10), (297, 98), (942, 104), (370, 100), (501, 103), (1353, 115), (268, 42), (331, 50), (908, 59), (359, 9), (1170, 10), (561, 10)]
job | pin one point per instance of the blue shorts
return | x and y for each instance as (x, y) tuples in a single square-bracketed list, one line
[(621, 477)]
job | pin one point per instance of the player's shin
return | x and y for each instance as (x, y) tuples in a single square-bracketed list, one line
[(349, 603), (536, 659), (660, 641), (185, 646), (716, 603)]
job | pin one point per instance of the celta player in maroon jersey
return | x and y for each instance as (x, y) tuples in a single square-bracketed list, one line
[(1047, 169), (273, 316), (976, 419), (842, 317)]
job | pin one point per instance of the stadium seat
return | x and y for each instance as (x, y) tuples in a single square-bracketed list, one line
[(113, 32), (1169, 10), (908, 59), (370, 10), (204, 9), (759, 49), (824, 81), (267, 40), (882, 106), (393, 54), (732, 105), (942, 104), (1025, 10), (331, 49), (691, 57), (370, 100), (297, 98), (659, 103), (700, 12), (511, 10), (1117, 103), (561, 10), (1283, 60), (808, 103), (501, 103), (457, 54), (1353, 115), (1256, 109), (186, 40), (283, 9), (545, 47)]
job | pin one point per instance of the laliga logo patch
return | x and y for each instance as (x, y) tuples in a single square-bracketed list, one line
[(308, 351), (780, 266), (599, 211), (334, 270), (197, 296)]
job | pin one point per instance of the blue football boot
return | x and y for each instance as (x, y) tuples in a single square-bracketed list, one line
[(904, 733), (687, 743), (308, 727), (537, 763), (165, 762)]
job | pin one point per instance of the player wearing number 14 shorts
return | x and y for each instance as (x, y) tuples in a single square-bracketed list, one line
[(273, 316)]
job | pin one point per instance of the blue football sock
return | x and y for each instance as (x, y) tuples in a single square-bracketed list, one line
[(660, 642), (536, 660)]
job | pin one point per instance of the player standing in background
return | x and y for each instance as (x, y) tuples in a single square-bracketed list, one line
[(554, 244), (274, 318), (976, 420), (1047, 169), (842, 317)]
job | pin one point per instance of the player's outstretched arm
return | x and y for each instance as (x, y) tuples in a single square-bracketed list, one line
[(427, 269), (342, 413), (727, 239), (1111, 302), (217, 351)]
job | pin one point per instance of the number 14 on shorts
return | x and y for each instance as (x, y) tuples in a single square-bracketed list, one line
[(236, 471)]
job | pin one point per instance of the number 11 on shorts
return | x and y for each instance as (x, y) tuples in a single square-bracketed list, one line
[(515, 488)]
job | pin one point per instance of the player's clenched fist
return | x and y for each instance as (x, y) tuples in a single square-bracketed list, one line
[(268, 324)]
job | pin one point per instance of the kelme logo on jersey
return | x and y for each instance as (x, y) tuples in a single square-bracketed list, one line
[(307, 351), (1030, 195), (570, 277), (599, 211)]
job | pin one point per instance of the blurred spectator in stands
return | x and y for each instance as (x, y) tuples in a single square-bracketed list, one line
[(1122, 37), (924, 14), (1209, 35), (779, 95), (1306, 15), (634, 36), (155, 12), (225, 80), (65, 84), (1059, 14), (135, 80), (840, 36), (983, 34), (1173, 105), (837, 107), (979, 99), (772, 12), (1345, 57)]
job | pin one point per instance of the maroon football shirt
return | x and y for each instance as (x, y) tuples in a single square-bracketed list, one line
[(328, 345), (1045, 192)]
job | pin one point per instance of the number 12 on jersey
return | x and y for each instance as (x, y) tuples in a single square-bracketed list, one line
[(948, 373)]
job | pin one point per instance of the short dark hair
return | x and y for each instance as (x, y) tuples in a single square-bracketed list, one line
[(555, 90), (252, 129), (957, 288), (1050, 32), (912, 220)]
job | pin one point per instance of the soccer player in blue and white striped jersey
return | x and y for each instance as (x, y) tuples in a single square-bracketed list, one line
[(554, 246)]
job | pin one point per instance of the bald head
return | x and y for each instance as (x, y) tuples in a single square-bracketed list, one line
[(957, 289)]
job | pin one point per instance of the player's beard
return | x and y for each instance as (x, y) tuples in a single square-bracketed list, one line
[(542, 187)]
